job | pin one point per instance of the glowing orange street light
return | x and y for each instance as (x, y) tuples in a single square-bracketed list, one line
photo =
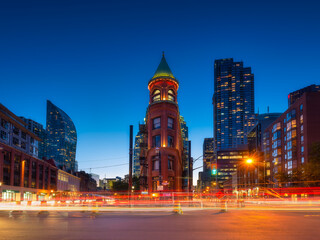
[(249, 161)]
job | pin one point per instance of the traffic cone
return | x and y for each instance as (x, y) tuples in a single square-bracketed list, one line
[(177, 208), (223, 206)]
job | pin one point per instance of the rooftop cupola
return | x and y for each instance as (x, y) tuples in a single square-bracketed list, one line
[(163, 72)]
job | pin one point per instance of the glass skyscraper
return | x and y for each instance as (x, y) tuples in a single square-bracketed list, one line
[(186, 158), (233, 102), (61, 138), (137, 150)]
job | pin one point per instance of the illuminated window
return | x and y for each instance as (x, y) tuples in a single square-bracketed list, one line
[(155, 163), (156, 95), (156, 123), (171, 95)]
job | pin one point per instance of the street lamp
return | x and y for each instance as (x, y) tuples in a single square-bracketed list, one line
[(249, 161)]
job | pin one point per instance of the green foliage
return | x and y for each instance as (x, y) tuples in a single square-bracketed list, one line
[(136, 183), (314, 155), (119, 186), (308, 173)]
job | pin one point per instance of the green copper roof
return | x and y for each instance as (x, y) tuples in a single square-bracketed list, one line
[(163, 69)]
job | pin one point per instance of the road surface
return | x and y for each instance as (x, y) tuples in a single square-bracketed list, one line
[(205, 224)]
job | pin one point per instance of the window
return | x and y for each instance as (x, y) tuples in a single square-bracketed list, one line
[(156, 141), (302, 138), (171, 95), (15, 141), (6, 167), (301, 107), (170, 162), (23, 135), (294, 133), (156, 123), (23, 145), (302, 159), (17, 170), (155, 183), (4, 124), (301, 119), (4, 135), (156, 95), (16, 131), (155, 163), (170, 122), (170, 141), (302, 149), (33, 174), (171, 183)]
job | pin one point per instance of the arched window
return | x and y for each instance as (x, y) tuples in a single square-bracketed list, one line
[(171, 95), (156, 95)]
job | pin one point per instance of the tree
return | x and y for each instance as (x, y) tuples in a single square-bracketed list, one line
[(120, 186), (136, 183), (311, 169)]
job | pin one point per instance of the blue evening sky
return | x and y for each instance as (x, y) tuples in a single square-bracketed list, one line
[(93, 59)]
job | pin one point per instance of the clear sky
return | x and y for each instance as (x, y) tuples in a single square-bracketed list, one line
[(93, 59)]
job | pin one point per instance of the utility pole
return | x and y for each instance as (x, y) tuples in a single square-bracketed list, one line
[(130, 158)]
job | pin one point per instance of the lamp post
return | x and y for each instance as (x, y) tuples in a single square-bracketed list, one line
[(251, 162)]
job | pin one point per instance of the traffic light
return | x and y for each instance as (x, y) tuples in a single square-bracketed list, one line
[(214, 169)]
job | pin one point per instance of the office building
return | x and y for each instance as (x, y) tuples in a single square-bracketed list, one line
[(233, 102), (61, 138), (228, 161), (67, 182), (186, 157), (207, 178), (37, 129), (137, 150), (293, 96), (23, 177), (288, 141)]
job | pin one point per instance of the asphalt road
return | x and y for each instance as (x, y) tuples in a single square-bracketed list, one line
[(206, 224)]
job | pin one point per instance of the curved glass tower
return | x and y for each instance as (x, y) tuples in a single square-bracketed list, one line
[(61, 139)]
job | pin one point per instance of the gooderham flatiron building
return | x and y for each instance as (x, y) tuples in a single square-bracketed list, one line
[(165, 166)]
